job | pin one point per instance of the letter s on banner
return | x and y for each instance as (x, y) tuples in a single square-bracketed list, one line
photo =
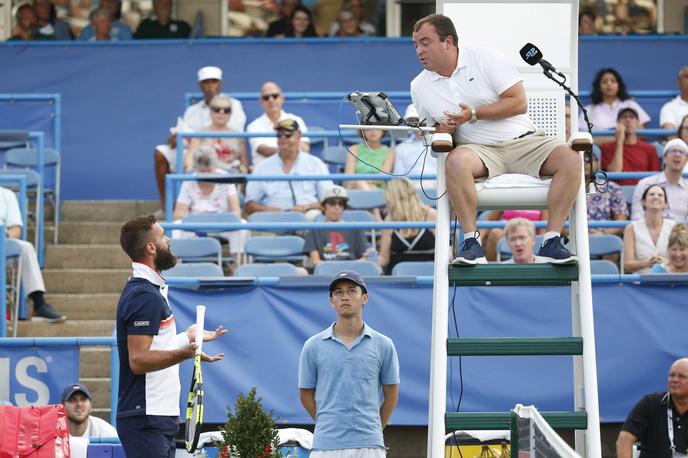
[(23, 377)]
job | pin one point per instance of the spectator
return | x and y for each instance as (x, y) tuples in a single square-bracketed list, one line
[(47, 21), (604, 206), (335, 244), (119, 30), (370, 156), (231, 152), (26, 26), (31, 277), (520, 236), (682, 132), (209, 197), (101, 22), (272, 101), (161, 25), (609, 96), (279, 26), (403, 204), (627, 153), (411, 156), (348, 25), (646, 240), (586, 23), (356, 7), (492, 236), (675, 158), (300, 196), (196, 118), (676, 109), (678, 252), (76, 399), (300, 24)]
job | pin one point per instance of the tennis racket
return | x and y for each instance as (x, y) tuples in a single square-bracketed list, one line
[(194, 406)]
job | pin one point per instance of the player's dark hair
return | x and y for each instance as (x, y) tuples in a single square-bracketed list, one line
[(442, 24), (135, 234)]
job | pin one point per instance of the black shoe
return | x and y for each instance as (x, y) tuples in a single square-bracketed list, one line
[(46, 312), (554, 251), (471, 253)]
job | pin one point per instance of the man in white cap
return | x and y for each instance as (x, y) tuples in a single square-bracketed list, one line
[(675, 157), (335, 244), (410, 155), (196, 118)]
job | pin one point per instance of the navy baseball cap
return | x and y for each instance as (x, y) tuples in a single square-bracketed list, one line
[(74, 388), (350, 275)]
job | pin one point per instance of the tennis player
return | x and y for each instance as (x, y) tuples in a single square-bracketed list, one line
[(342, 371), (149, 347)]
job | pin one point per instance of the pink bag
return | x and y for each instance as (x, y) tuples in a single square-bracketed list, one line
[(35, 432)]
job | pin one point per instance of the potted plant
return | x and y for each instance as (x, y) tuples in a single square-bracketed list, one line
[(250, 431)]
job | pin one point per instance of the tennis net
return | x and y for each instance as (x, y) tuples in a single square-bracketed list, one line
[(536, 438)]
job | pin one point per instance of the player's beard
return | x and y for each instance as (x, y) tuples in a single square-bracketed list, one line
[(164, 259)]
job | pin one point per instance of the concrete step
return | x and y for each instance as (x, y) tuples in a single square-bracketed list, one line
[(85, 280), (107, 210), (94, 362), (94, 306), (100, 391), (69, 328), (92, 233), (68, 256)]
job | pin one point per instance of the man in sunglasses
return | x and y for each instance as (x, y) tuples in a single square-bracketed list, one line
[(272, 101), (299, 196), (335, 244)]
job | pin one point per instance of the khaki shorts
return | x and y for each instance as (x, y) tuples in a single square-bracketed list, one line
[(520, 155)]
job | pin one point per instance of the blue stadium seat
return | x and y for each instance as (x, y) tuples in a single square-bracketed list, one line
[(603, 267), (201, 249), (32, 181), (12, 253), (365, 268), (229, 218), (428, 196), (275, 269), (277, 217), (318, 144), (194, 269), (366, 200), (286, 248), (335, 158), (628, 193), (604, 244), (414, 269), (13, 138)]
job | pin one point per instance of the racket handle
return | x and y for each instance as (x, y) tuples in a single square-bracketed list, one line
[(200, 322)]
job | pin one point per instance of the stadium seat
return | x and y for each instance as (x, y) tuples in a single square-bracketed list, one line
[(318, 144), (13, 138), (194, 269), (32, 181), (277, 217), (365, 268), (366, 200), (335, 158), (27, 158), (228, 218), (628, 194), (605, 244), (275, 269), (414, 269), (603, 267), (201, 249), (285, 248), (428, 196), (12, 256)]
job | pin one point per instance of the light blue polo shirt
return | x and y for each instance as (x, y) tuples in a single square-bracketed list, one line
[(348, 387)]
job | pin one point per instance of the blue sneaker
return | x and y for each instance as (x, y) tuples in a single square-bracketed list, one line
[(471, 253), (554, 251)]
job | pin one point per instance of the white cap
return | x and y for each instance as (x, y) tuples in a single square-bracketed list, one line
[(411, 112), (210, 73), (675, 143), (335, 192)]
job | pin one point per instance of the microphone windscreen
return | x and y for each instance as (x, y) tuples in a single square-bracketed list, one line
[(531, 54)]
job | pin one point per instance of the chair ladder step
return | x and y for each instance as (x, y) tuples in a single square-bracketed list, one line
[(514, 346), (513, 274), (502, 420)]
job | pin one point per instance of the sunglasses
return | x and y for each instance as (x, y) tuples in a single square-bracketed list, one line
[(225, 110), (284, 133), (266, 97), (676, 152), (336, 203)]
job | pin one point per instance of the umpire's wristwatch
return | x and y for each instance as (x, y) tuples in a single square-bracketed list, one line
[(474, 116)]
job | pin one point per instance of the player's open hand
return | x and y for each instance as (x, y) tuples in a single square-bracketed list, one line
[(207, 335), (212, 359)]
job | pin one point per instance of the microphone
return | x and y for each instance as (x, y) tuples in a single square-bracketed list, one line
[(532, 55)]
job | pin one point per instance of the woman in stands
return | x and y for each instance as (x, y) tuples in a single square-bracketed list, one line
[(396, 246), (300, 24), (609, 95), (208, 197), (646, 240), (349, 24), (230, 152), (678, 252), (683, 129), (369, 156)]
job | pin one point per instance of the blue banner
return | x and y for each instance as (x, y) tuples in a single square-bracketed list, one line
[(36, 375), (639, 332)]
